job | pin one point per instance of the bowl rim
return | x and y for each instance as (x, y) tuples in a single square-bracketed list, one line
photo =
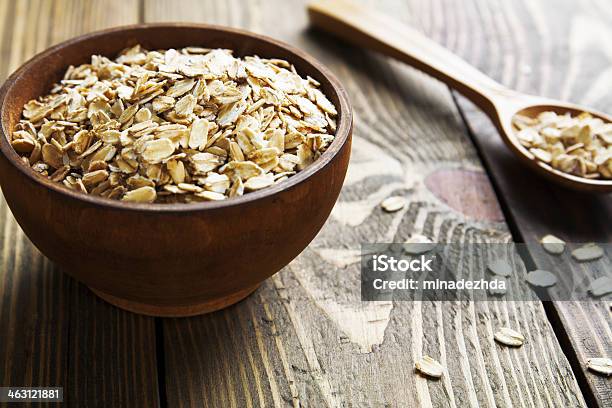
[(343, 128)]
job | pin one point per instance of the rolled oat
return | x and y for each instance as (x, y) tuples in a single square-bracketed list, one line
[(429, 366), (580, 145), (509, 337), (176, 125)]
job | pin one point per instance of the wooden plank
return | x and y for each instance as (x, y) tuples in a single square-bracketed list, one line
[(53, 331), (560, 52), (305, 338)]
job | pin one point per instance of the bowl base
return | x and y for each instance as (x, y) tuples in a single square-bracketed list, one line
[(175, 311)]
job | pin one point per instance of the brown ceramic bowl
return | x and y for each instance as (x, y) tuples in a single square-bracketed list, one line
[(170, 259)]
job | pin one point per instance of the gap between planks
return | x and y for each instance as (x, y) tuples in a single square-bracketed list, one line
[(552, 314)]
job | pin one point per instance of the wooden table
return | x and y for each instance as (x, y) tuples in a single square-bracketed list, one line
[(304, 338)]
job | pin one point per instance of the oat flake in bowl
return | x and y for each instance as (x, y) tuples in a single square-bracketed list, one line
[(182, 125)]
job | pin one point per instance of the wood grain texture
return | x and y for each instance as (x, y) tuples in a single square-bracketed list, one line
[(305, 338), (53, 331), (570, 60)]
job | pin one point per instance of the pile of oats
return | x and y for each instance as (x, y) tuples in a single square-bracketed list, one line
[(176, 125), (579, 145)]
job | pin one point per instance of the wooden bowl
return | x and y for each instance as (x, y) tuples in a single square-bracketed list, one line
[(170, 259)]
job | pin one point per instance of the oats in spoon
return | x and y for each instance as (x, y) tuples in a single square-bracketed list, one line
[(580, 145)]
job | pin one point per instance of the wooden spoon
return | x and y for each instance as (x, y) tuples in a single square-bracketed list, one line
[(368, 28)]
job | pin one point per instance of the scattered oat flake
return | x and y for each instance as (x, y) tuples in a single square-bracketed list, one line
[(541, 278), (392, 204), (418, 244), (600, 365), (428, 366), (588, 252), (509, 337), (552, 244), (500, 267), (601, 286), (501, 289)]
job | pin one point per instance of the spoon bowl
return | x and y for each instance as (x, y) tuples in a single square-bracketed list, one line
[(532, 106), (370, 29)]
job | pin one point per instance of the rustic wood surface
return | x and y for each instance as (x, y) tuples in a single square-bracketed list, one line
[(323, 333), (305, 338), (571, 61), (53, 331)]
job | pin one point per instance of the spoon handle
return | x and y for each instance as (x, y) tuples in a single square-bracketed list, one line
[(367, 28)]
